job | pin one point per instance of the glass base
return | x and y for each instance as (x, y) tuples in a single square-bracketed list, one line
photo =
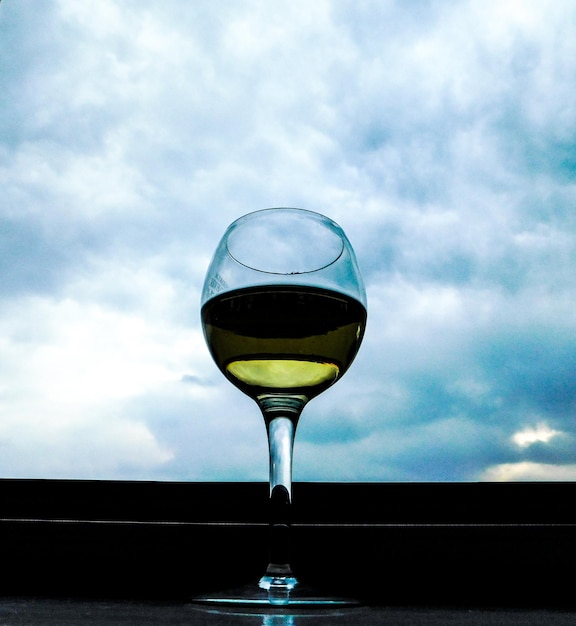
[(274, 596)]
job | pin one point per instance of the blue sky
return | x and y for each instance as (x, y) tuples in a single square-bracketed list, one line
[(441, 135)]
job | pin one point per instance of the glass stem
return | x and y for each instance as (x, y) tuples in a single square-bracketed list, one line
[(281, 418), (281, 444)]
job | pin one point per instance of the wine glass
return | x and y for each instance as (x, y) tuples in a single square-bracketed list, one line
[(283, 313)]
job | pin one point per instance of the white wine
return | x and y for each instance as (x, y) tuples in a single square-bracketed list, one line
[(283, 339)]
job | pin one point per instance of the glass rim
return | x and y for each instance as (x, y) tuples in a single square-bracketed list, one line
[(320, 217), (282, 208)]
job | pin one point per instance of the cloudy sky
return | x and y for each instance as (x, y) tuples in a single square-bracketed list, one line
[(440, 134)]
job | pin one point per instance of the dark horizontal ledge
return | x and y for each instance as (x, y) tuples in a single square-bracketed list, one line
[(314, 503), (390, 543)]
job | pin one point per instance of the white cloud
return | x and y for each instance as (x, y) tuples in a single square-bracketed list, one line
[(76, 186), (541, 433), (58, 445), (71, 367), (90, 353), (529, 471)]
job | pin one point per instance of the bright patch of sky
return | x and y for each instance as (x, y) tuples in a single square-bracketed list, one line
[(539, 433), (440, 135)]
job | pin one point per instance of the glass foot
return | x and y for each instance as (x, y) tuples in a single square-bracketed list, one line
[(273, 596)]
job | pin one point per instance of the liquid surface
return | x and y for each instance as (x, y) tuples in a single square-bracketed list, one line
[(283, 339)]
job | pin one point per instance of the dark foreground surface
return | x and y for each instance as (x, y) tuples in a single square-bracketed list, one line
[(107, 552), (75, 612)]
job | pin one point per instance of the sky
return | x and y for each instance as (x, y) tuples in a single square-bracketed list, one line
[(441, 136)]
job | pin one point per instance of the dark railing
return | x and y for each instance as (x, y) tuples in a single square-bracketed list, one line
[(481, 544)]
